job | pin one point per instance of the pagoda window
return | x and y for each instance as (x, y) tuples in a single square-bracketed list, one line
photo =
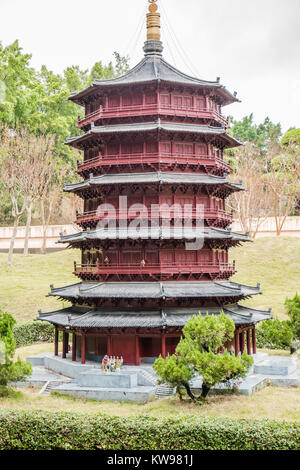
[(112, 149), (151, 98), (165, 147), (132, 257), (177, 101), (152, 257), (165, 100), (184, 149), (205, 256), (137, 148), (137, 99), (126, 149), (187, 102), (167, 257), (126, 100), (166, 199), (113, 101), (151, 147), (200, 103), (112, 257), (184, 200), (185, 257), (201, 149), (204, 201)]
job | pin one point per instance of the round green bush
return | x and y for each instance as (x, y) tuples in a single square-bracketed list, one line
[(33, 332), (274, 334)]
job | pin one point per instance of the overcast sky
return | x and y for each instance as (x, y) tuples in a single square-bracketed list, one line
[(254, 46)]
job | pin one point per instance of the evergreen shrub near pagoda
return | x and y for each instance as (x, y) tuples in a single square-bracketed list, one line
[(293, 311), (274, 334), (198, 353), (10, 371)]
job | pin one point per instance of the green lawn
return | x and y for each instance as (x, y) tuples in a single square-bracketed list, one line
[(275, 262)]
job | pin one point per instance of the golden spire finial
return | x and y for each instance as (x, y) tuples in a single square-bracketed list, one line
[(153, 22)]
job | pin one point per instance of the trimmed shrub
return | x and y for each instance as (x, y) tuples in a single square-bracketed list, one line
[(293, 311), (33, 332), (274, 334), (37, 430)]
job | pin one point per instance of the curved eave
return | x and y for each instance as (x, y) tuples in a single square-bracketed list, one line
[(153, 69), (83, 318), (154, 234), (155, 290), (153, 178), (154, 126)]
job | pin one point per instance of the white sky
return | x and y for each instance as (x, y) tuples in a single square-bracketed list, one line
[(254, 46)]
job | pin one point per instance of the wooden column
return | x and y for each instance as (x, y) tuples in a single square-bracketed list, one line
[(63, 354), (242, 341), (163, 345), (67, 343), (83, 348), (248, 341), (109, 348), (73, 347), (254, 340), (56, 341), (137, 350), (237, 342)]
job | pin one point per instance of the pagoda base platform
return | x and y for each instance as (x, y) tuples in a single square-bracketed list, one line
[(137, 394), (139, 383)]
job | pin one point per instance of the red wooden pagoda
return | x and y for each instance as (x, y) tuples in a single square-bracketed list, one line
[(153, 138)]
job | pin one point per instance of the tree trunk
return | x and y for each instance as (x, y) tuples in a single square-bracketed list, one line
[(27, 230), (12, 240), (189, 391), (44, 240), (205, 390)]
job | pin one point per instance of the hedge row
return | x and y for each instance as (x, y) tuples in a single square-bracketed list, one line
[(274, 334), (33, 332), (37, 430)]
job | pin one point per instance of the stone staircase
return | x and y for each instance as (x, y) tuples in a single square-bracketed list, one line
[(51, 385), (148, 376), (164, 391)]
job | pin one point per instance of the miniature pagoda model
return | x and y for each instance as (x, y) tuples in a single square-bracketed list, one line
[(153, 138)]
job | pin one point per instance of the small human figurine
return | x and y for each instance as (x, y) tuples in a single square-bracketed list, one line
[(106, 261), (118, 364), (113, 364), (121, 361), (143, 263), (104, 363)]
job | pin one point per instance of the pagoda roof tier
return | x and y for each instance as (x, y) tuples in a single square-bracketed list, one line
[(75, 317), (158, 125), (155, 290), (156, 233), (153, 178), (154, 69)]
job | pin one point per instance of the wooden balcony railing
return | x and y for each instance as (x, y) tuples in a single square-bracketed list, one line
[(146, 213), (149, 268), (153, 158), (150, 109)]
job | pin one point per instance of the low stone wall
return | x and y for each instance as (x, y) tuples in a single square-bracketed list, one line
[(35, 237), (291, 227)]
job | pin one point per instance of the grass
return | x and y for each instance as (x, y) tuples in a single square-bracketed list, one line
[(25, 284), (271, 402), (275, 262)]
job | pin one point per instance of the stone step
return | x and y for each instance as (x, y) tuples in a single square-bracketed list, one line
[(164, 391)]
